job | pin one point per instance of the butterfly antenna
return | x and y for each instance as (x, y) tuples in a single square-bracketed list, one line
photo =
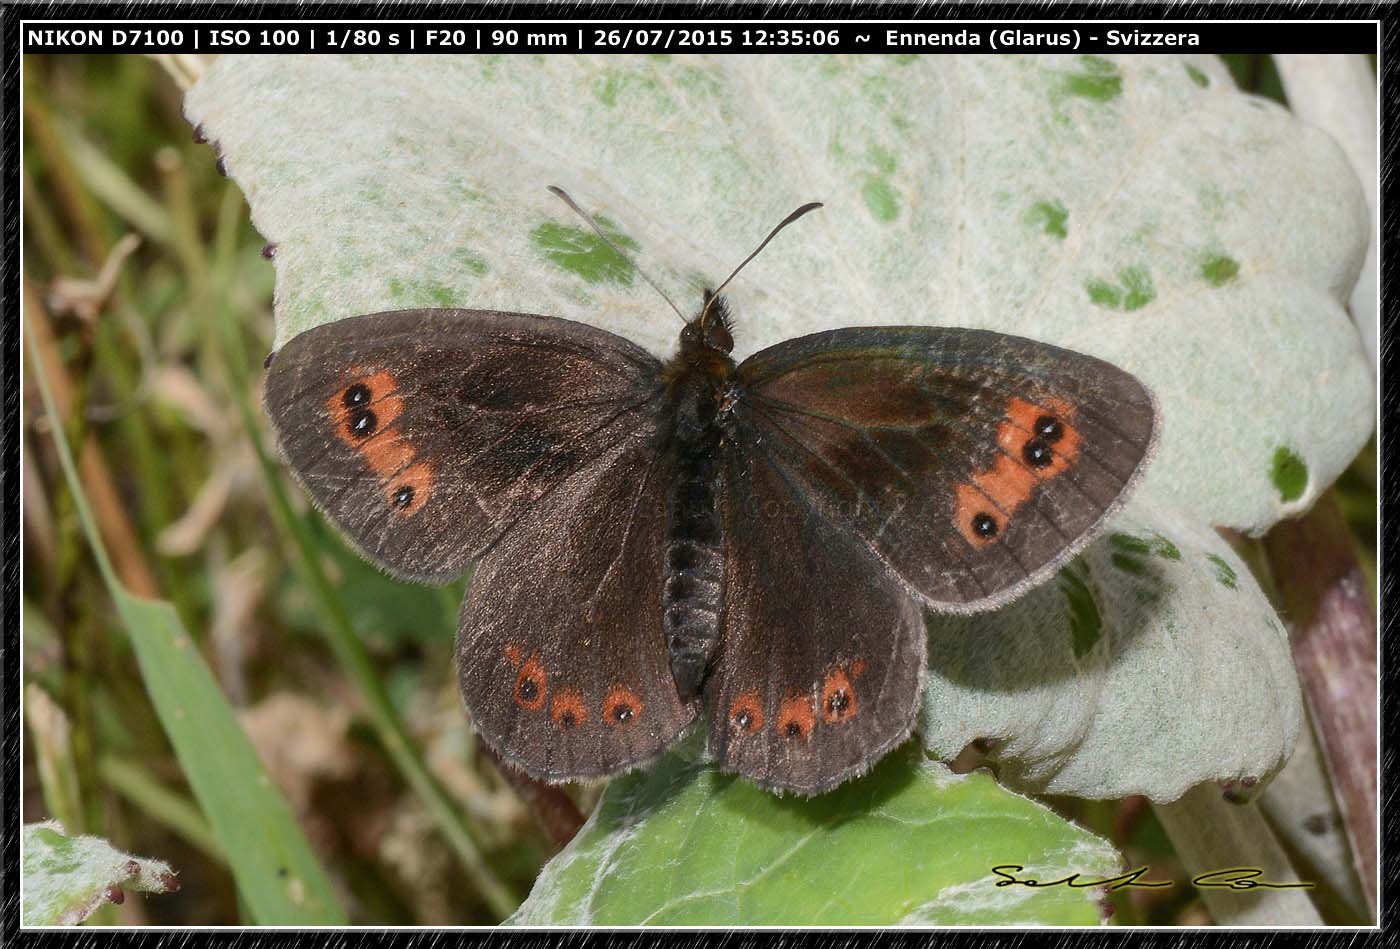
[(563, 195), (810, 206)]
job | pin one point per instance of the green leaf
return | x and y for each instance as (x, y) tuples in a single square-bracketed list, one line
[(911, 843), (66, 879), (1138, 208), (1153, 663)]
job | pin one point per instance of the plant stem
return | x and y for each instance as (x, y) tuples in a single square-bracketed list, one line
[(1323, 592), (554, 811), (1211, 834)]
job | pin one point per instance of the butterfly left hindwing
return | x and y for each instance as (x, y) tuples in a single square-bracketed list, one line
[(821, 650)]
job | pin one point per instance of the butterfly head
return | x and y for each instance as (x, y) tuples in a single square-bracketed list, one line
[(712, 328)]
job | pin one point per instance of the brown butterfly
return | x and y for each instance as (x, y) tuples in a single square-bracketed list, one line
[(757, 540)]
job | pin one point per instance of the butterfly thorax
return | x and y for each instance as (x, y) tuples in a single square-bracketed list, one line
[(698, 380)]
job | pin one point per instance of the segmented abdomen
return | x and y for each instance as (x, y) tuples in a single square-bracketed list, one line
[(694, 568)]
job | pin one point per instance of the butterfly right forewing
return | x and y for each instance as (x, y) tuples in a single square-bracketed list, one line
[(424, 434)]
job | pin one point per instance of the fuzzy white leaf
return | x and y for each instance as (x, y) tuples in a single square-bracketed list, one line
[(1152, 663)]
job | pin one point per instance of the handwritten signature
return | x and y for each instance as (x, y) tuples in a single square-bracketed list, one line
[(1231, 878)]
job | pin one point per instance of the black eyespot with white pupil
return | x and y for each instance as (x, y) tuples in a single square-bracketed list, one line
[(622, 711), (792, 729), (1048, 427), (837, 702), (362, 423), (358, 394), (1037, 453), (403, 497), (529, 689), (984, 526), (743, 719)]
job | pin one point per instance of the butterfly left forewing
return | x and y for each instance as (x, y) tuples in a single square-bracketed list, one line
[(972, 463), (821, 649)]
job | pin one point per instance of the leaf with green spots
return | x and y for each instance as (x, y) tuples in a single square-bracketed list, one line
[(1095, 78), (65, 879), (584, 253), (957, 192), (1133, 291), (1289, 474), (928, 171), (1224, 573), (880, 199), (1050, 217), (1219, 270), (1140, 671), (913, 844)]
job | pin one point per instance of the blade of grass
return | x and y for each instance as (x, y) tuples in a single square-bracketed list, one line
[(340, 634), (114, 189), (160, 803), (273, 864)]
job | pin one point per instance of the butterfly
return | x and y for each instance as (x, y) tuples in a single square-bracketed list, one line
[(754, 543)]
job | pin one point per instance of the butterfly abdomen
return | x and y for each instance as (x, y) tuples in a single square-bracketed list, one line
[(694, 541)]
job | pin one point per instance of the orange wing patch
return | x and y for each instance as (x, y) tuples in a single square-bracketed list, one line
[(567, 709), (746, 713), (363, 416), (531, 685), (621, 706), (838, 700), (796, 717), (1035, 443)]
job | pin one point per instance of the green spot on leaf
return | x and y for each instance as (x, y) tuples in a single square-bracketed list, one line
[(880, 199), (1131, 546), (1164, 548), (606, 90), (1133, 291), (1290, 474), (424, 293), (584, 253), (1219, 270), (1129, 543), (1129, 564), (470, 262), (1085, 623), (1097, 79), (1050, 217), (1198, 77), (1224, 573), (882, 159)]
